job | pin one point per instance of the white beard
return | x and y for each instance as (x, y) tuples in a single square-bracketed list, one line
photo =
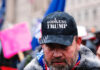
[(60, 68)]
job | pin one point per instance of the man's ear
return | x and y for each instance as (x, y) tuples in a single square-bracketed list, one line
[(79, 40)]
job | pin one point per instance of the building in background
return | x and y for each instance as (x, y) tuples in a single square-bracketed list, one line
[(85, 12), (24, 10)]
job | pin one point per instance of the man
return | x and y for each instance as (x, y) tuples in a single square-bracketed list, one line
[(61, 46)]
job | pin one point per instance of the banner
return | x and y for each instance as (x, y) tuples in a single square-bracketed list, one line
[(2, 12), (15, 40), (56, 5)]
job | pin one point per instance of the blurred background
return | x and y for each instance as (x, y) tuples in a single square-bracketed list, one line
[(20, 26), (85, 12)]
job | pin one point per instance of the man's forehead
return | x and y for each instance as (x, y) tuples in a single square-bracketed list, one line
[(55, 45)]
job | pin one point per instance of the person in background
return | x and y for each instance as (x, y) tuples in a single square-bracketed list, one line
[(97, 43), (98, 52), (61, 46), (88, 38)]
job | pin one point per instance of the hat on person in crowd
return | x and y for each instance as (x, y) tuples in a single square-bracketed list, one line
[(84, 34), (58, 27)]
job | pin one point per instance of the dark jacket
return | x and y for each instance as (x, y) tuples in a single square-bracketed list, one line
[(88, 61)]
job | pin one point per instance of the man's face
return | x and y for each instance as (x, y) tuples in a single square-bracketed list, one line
[(60, 57)]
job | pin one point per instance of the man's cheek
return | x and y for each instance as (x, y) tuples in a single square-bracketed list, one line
[(69, 59), (48, 57)]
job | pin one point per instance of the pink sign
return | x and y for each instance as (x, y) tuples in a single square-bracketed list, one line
[(16, 39)]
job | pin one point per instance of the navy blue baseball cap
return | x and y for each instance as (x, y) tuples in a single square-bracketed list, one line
[(58, 27)]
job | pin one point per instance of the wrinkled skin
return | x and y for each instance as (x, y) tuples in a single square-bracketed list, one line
[(61, 57)]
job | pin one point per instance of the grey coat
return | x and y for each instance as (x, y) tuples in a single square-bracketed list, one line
[(88, 61)]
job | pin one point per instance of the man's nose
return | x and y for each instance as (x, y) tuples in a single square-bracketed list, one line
[(57, 53)]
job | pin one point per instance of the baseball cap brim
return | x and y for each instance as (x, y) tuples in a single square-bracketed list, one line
[(59, 39)]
